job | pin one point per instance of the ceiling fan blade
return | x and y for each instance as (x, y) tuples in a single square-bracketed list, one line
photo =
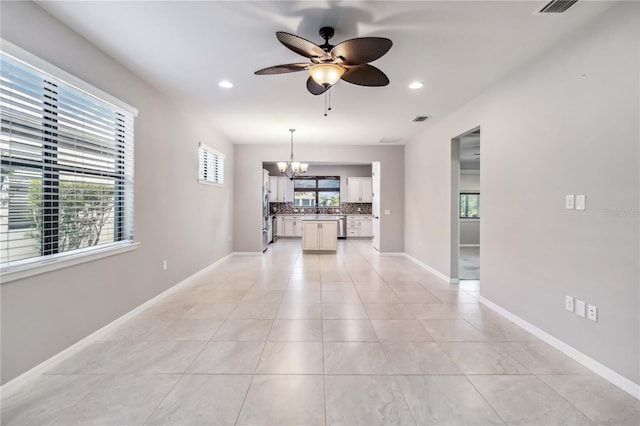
[(300, 45), (359, 51), (365, 75), (315, 88), (282, 69)]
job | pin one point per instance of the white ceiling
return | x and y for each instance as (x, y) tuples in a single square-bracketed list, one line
[(186, 48)]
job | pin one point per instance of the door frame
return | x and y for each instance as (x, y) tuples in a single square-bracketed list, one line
[(376, 224), (454, 264)]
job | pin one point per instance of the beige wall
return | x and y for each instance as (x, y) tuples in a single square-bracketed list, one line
[(176, 218), (247, 235), (566, 123)]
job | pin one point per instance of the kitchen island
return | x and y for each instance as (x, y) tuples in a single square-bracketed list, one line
[(320, 233)]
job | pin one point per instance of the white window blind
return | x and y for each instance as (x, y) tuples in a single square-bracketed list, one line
[(211, 165), (67, 168)]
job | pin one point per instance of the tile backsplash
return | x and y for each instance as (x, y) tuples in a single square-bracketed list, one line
[(345, 208)]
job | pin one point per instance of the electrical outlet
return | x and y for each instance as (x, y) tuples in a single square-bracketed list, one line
[(580, 308), (568, 303), (387, 212), (581, 202), (592, 313), (569, 202), (164, 265)]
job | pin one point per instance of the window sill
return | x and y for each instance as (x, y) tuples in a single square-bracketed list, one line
[(469, 219), (206, 182), (18, 272)]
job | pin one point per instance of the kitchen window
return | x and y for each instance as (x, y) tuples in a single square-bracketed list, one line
[(316, 191), (469, 205), (66, 188)]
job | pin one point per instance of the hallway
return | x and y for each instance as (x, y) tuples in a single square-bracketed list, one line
[(306, 339)]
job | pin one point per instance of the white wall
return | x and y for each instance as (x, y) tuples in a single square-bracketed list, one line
[(469, 180), (566, 123), (248, 208), (175, 218)]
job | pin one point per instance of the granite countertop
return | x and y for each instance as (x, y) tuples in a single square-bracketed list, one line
[(320, 217)]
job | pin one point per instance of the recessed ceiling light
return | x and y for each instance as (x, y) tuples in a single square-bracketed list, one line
[(226, 84), (416, 85)]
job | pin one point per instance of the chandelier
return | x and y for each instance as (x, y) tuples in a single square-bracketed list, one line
[(292, 169)]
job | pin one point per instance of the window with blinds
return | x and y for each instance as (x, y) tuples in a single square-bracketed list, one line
[(67, 168), (211, 166)]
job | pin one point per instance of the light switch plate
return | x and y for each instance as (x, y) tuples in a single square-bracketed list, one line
[(387, 212), (569, 202), (568, 303), (580, 308), (581, 202)]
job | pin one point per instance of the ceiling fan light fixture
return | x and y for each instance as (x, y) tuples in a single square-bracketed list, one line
[(326, 74)]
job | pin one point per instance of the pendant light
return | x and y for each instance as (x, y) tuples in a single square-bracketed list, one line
[(292, 169)]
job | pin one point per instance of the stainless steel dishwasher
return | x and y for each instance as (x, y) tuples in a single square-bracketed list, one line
[(342, 226)]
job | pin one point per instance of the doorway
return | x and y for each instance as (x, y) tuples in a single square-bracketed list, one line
[(375, 203), (466, 204)]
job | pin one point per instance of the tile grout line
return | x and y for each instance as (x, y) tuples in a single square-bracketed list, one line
[(262, 352), (537, 376), (485, 400)]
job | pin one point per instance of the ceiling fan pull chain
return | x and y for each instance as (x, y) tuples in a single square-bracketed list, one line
[(325, 104), (329, 99)]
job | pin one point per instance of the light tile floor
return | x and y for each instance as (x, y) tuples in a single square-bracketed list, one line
[(351, 338)]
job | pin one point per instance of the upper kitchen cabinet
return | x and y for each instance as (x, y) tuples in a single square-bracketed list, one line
[(281, 189), (360, 189)]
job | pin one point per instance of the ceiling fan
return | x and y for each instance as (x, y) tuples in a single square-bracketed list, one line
[(348, 61)]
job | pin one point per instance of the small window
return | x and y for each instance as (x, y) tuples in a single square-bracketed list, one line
[(211, 166), (320, 191), (469, 206)]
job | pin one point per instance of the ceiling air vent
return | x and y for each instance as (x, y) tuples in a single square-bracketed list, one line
[(389, 140), (421, 118), (556, 6)]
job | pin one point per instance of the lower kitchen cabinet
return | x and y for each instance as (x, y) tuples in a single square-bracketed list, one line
[(366, 227), (359, 226), (292, 227), (279, 226), (319, 235)]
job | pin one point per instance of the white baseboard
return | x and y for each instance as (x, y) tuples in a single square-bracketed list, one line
[(67, 353), (593, 365), (247, 253), (469, 245), (432, 270), (391, 254)]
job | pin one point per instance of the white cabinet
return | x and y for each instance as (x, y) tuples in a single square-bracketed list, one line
[(279, 223), (281, 189), (360, 190), (320, 235), (273, 189), (366, 227), (359, 226), (292, 227)]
